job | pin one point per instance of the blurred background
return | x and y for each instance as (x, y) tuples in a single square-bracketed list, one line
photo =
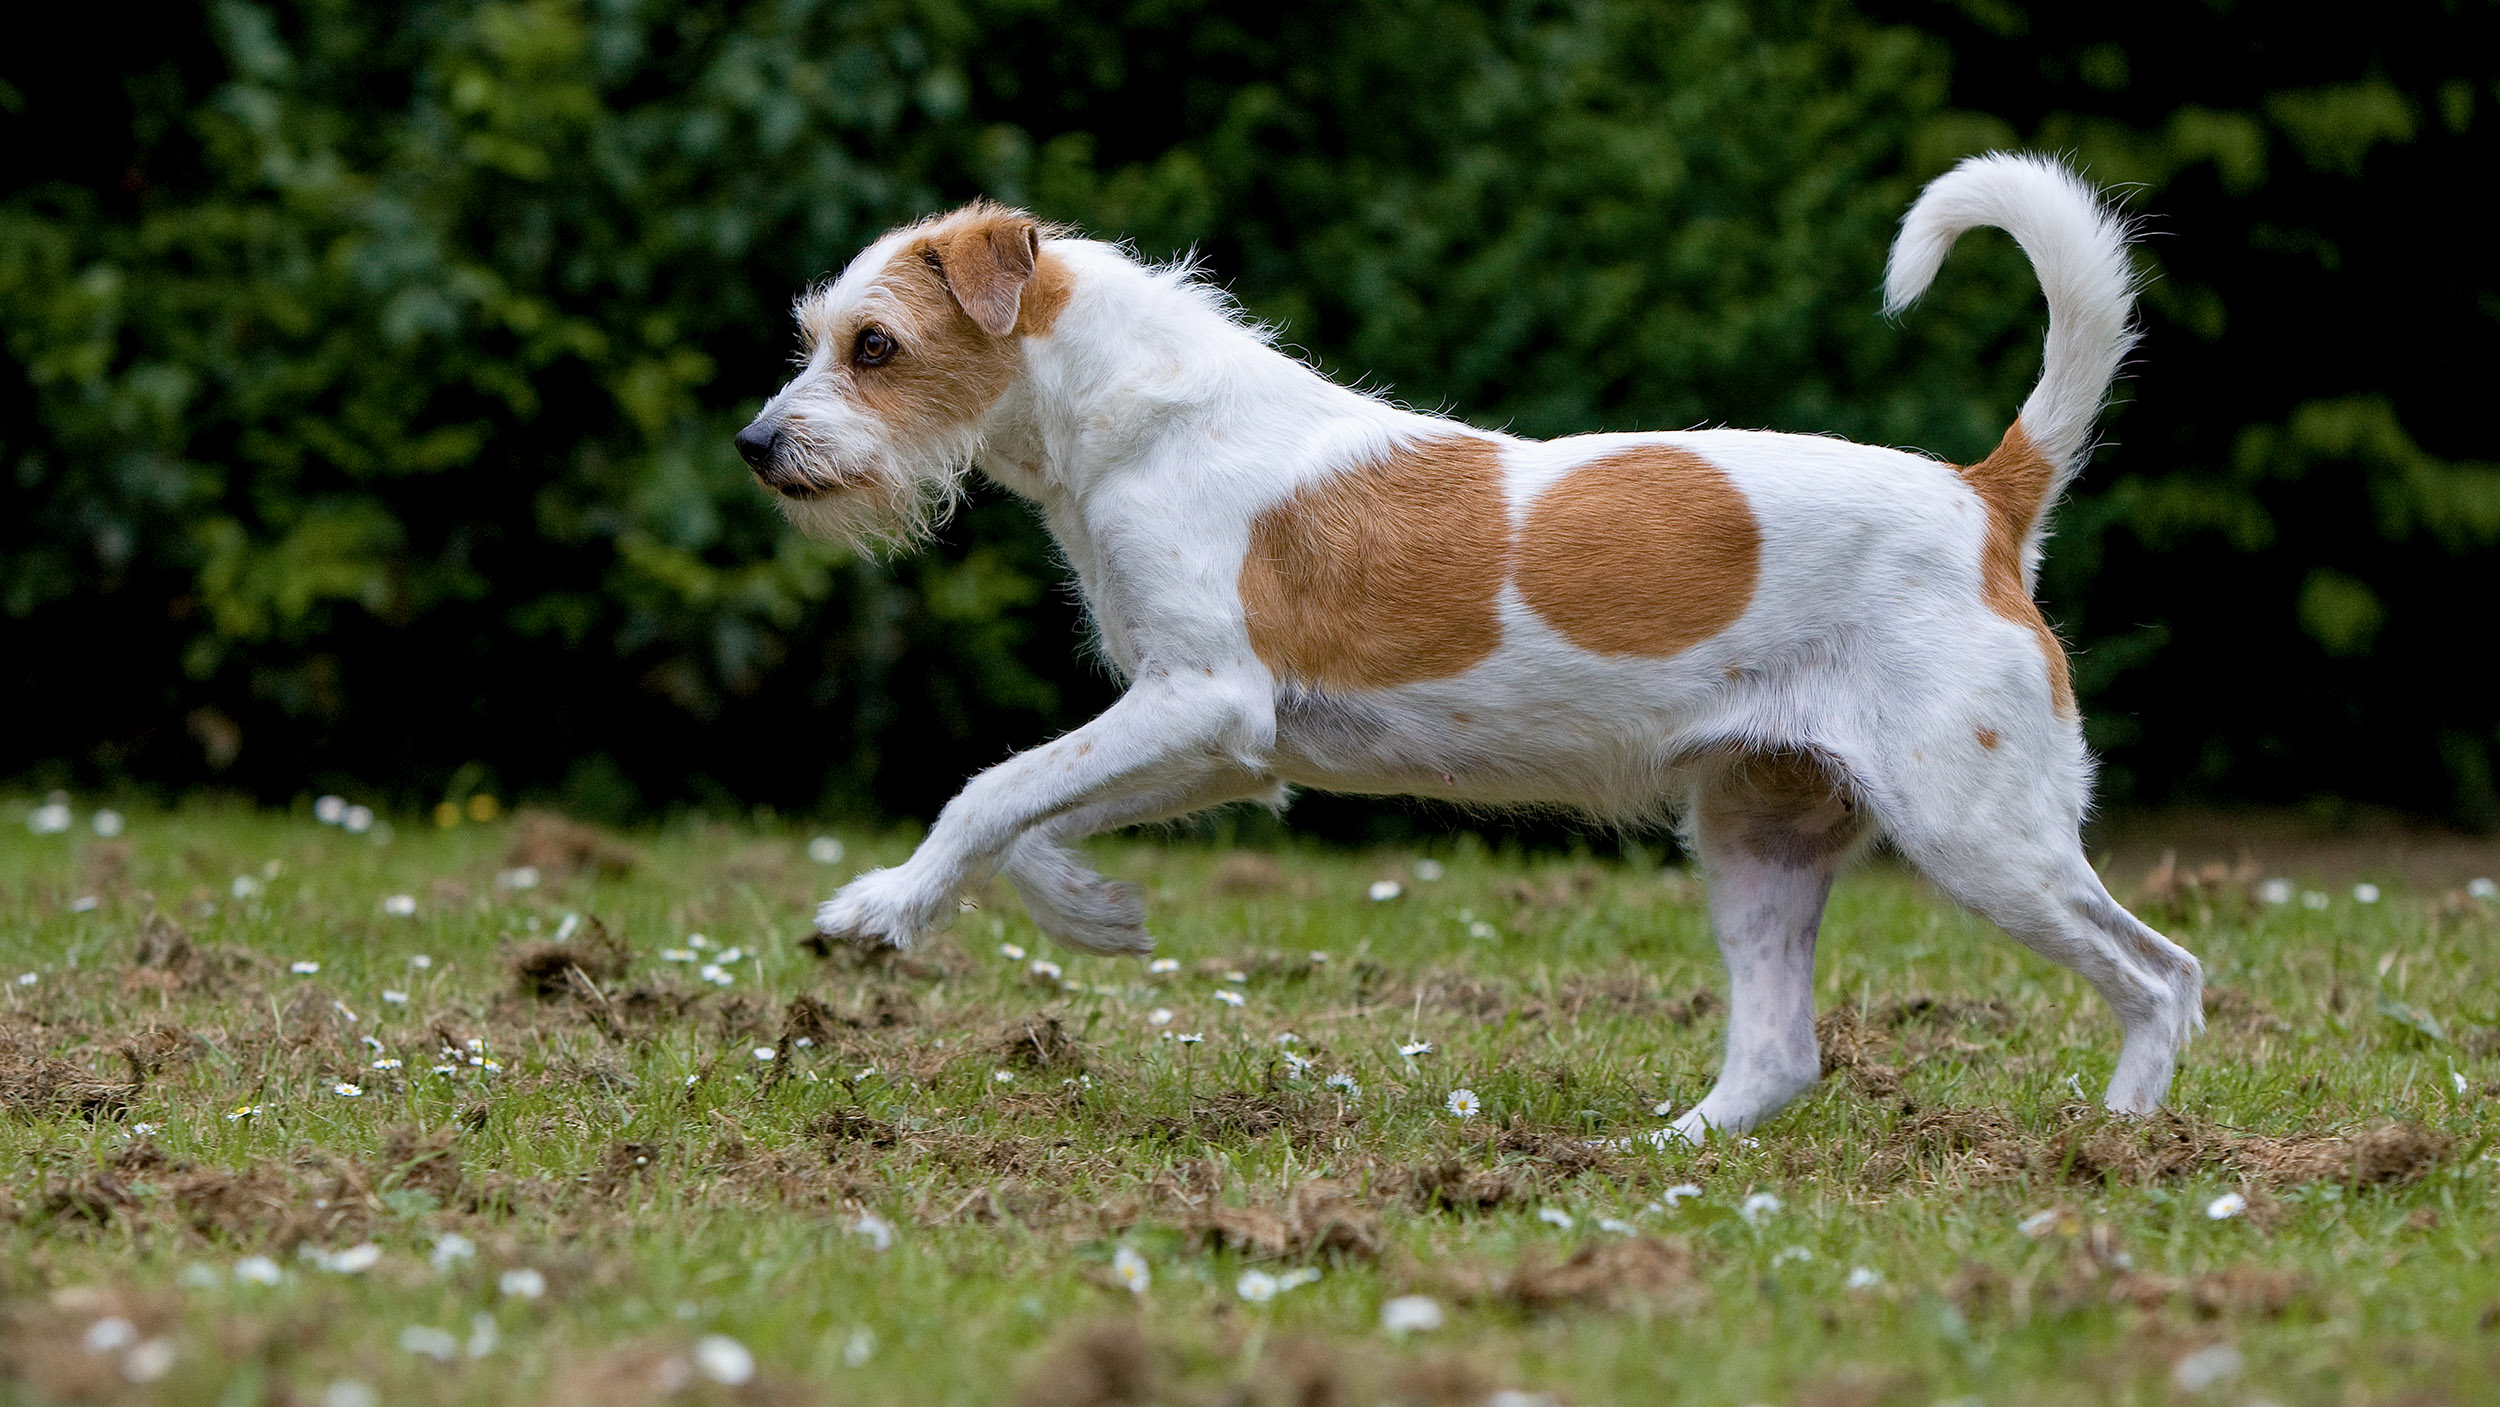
[(368, 368)]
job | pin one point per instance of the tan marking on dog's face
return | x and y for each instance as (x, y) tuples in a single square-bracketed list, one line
[(952, 300), (1383, 574), (1646, 552), (2011, 482), (1987, 738)]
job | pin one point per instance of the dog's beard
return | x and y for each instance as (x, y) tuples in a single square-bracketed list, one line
[(889, 504)]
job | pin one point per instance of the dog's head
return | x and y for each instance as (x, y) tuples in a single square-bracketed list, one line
[(906, 353)]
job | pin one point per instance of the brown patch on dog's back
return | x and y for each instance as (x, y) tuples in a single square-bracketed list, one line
[(2012, 482), (1987, 738), (1383, 574), (1647, 552)]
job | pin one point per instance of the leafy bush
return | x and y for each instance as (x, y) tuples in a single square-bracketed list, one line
[(370, 369)]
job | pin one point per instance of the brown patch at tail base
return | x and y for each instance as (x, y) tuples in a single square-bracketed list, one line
[(2013, 483), (1384, 573), (1647, 552)]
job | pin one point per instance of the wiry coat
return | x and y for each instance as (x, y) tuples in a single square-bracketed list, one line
[(1789, 644)]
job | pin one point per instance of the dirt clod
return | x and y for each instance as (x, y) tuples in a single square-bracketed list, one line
[(543, 840), (1106, 1365)]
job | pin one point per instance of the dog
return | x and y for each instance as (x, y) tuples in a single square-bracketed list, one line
[(1787, 645)]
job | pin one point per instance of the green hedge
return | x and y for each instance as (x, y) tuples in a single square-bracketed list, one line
[(369, 368)]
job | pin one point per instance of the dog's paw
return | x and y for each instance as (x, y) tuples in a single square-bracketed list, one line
[(1089, 913), (881, 908)]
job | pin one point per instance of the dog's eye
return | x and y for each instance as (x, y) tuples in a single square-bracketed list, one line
[(873, 348)]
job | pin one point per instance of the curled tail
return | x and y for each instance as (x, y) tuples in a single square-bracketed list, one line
[(2078, 247)]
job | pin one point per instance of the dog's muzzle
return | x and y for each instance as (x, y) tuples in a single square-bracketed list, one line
[(759, 445)]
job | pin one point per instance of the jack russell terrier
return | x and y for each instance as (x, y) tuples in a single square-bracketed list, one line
[(1788, 645)]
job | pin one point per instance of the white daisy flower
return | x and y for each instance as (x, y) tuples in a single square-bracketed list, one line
[(51, 818), (1463, 1103), (1229, 997), (1162, 965), (426, 1341), (825, 850), (1192, 1038), (1861, 1278), (1132, 1270), (303, 967), (108, 824), (85, 904), (330, 810), (1428, 871), (1410, 1314), (1012, 952), (1160, 1016), (450, 1249), (394, 997), (1044, 967), (344, 1090), (2482, 887), (2225, 1207), (356, 820), (420, 961), (400, 906), (1555, 1217), (1256, 1286), (1383, 890), (875, 1229), (1617, 1225), (522, 1283), (1414, 1048), (1759, 1208), (1793, 1253), (1003, 1076), (2275, 891), (386, 1063), (257, 1270), (723, 1359), (2365, 893)]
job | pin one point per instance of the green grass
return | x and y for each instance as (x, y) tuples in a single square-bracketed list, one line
[(668, 1185)]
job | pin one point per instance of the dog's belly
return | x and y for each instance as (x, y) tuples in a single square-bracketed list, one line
[(1586, 743)]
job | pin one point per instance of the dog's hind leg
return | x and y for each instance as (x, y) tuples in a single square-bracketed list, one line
[(1078, 907), (1773, 829), (1998, 831)]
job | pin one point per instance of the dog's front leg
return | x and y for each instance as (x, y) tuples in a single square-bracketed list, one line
[(1169, 735), (1080, 908)]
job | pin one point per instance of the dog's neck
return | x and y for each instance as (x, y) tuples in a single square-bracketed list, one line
[(1143, 363)]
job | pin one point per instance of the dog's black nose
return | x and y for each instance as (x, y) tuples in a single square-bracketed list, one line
[(755, 445)]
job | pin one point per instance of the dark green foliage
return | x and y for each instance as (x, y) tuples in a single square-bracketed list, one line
[(369, 370)]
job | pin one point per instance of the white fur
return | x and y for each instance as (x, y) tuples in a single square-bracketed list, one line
[(2078, 247), (1151, 427)]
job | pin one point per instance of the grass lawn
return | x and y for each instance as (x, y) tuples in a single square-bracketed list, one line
[(271, 1134)]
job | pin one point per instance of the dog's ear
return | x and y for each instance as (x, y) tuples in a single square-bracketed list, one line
[(986, 261)]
